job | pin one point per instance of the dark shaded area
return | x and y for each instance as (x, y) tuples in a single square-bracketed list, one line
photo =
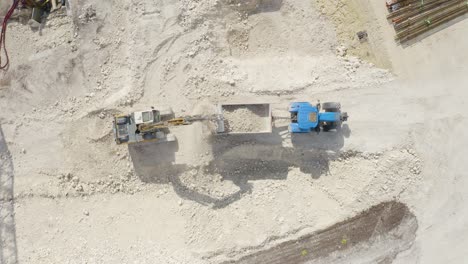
[(240, 159), (153, 161), (390, 223), (251, 7), (245, 158), (268, 6), (333, 140), (8, 247)]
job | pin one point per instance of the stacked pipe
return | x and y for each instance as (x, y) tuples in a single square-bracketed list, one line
[(411, 18)]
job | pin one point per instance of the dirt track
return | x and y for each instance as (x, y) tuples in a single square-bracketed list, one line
[(375, 225)]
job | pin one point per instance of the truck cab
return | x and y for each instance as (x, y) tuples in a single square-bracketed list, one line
[(306, 117)]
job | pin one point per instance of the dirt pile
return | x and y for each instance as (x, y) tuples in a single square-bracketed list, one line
[(246, 119)]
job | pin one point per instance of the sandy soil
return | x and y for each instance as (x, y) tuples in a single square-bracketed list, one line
[(69, 194)]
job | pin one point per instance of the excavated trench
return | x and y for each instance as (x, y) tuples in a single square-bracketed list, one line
[(379, 234)]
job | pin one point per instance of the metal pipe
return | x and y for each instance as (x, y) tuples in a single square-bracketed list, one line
[(426, 21), (416, 32), (415, 5), (415, 9), (414, 19)]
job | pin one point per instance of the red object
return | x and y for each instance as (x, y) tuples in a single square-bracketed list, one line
[(4, 66)]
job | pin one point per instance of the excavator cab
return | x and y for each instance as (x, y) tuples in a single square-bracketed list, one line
[(146, 117), (142, 126)]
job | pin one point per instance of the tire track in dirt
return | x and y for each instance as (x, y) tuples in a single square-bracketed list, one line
[(390, 223)]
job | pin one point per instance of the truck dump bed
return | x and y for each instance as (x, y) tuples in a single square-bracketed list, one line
[(244, 118)]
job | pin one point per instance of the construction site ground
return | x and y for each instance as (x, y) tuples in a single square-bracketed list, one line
[(389, 187)]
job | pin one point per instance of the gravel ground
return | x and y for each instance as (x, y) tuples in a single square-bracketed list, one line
[(77, 197)]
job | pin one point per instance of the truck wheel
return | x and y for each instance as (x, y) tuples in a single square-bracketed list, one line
[(331, 107), (329, 126)]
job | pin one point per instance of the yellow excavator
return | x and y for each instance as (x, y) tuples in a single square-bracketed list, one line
[(151, 125)]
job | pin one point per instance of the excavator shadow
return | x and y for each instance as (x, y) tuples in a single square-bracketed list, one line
[(153, 162), (242, 159), (239, 159), (257, 157)]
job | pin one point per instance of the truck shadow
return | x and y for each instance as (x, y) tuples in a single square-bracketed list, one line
[(240, 159), (333, 140), (8, 246)]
